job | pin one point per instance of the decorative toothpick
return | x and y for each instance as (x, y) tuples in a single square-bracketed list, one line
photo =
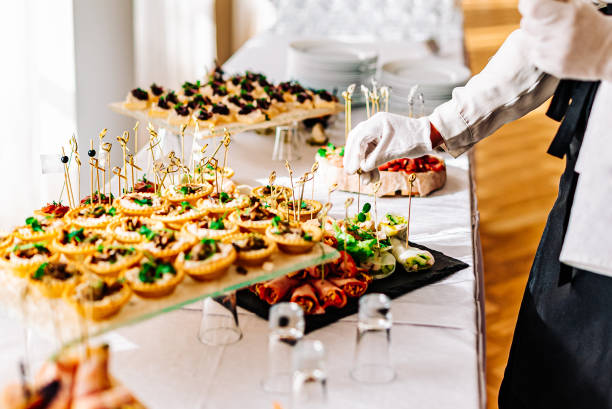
[(117, 171), (136, 137), (313, 170), (106, 147), (91, 153), (303, 180), (348, 98), (215, 164), (366, 93), (411, 179), (347, 203), (226, 142), (94, 163), (377, 186), (331, 189), (182, 131), (123, 141), (384, 94), (77, 159), (290, 170), (64, 160), (133, 165)]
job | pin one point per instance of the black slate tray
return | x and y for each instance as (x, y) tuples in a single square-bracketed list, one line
[(397, 284)]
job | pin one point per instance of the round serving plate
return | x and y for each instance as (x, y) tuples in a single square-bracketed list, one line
[(429, 73), (334, 55)]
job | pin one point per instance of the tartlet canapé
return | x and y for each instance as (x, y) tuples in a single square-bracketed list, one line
[(77, 241), (164, 243), (94, 216), (207, 259), (54, 277), (223, 203), (153, 278), (111, 259), (307, 209), (208, 173), (96, 299), (277, 191), (293, 237), (139, 204), (26, 257), (256, 217), (176, 213), (53, 209), (252, 248), (189, 192), (132, 229), (38, 228), (210, 227)]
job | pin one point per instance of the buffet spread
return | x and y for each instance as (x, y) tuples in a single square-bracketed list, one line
[(104, 260)]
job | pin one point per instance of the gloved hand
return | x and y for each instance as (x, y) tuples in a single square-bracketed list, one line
[(384, 137), (569, 39)]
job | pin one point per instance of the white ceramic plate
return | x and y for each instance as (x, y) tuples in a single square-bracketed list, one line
[(430, 73)]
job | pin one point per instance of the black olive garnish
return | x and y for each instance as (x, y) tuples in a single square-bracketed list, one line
[(64, 159), (91, 153)]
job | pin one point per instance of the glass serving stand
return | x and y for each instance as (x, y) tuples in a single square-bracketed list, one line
[(55, 318)]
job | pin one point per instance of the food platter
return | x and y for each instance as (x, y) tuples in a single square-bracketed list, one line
[(284, 118), (42, 314)]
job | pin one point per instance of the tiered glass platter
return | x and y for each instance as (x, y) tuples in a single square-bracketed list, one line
[(55, 318), (283, 118)]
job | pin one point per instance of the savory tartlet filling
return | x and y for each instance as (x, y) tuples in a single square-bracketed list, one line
[(98, 290), (54, 271), (29, 251), (140, 202), (160, 239), (256, 211), (289, 230), (144, 185), (80, 237), (251, 243), (152, 271), (175, 209), (224, 200), (110, 254), (54, 209), (39, 224), (207, 250)]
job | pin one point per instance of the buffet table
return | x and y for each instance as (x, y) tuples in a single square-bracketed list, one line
[(437, 337)]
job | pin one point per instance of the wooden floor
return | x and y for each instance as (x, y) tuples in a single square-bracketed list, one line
[(516, 187)]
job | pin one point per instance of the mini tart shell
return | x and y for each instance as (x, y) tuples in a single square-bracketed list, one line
[(259, 191), (281, 210), (54, 288), (70, 250), (187, 240), (156, 289), (252, 257), (6, 241), (242, 202), (98, 312), (125, 236), (22, 267), (256, 226), (206, 270), (108, 269), (30, 235), (143, 210), (173, 196), (295, 245), (88, 222), (178, 219), (200, 233)]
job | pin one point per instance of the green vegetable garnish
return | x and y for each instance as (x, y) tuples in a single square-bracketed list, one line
[(185, 206), (144, 202), (112, 211), (366, 207), (361, 217), (224, 197), (322, 152), (307, 237), (76, 235), (40, 272), (34, 224), (148, 233), (217, 224), (275, 221)]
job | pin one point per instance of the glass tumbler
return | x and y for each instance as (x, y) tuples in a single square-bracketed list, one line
[(219, 324), (286, 143), (309, 376), (372, 363), (286, 323)]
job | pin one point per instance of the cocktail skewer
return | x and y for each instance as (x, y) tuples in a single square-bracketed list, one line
[(106, 147), (366, 92), (96, 164), (313, 170), (376, 189), (91, 153), (411, 179), (77, 159), (384, 93), (331, 189), (136, 137), (118, 171), (226, 142), (182, 132), (290, 170), (133, 165), (64, 160)]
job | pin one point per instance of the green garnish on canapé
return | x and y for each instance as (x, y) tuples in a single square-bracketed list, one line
[(143, 202), (40, 271), (34, 224), (148, 233), (150, 271)]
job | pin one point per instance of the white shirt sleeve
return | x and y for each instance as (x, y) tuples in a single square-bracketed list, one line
[(506, 89)]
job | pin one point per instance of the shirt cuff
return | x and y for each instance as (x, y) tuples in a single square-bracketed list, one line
[(452, 127)]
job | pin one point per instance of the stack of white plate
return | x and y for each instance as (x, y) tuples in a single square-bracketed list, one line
[(330, 64), (436, 78)]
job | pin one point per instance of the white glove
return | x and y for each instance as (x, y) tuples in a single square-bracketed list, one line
[(569, 40), (382, 138)]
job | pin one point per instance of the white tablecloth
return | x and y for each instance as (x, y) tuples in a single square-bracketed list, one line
[(437, 333)]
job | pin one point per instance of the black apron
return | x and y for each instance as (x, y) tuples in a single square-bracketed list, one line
[(561, 354)]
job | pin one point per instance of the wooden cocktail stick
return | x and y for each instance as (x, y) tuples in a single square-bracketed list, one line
[(347, 204), (411, 179), (133, 166), (384, 93), (117, 171), (271, 180), (365, 91), (107, 148), (94, 163), (182, 130), (376, 189), (64, 160), (331, 189), (290, 170), (313, 170), (77, 159), (346, 115), (226, 142), (136, 137)]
